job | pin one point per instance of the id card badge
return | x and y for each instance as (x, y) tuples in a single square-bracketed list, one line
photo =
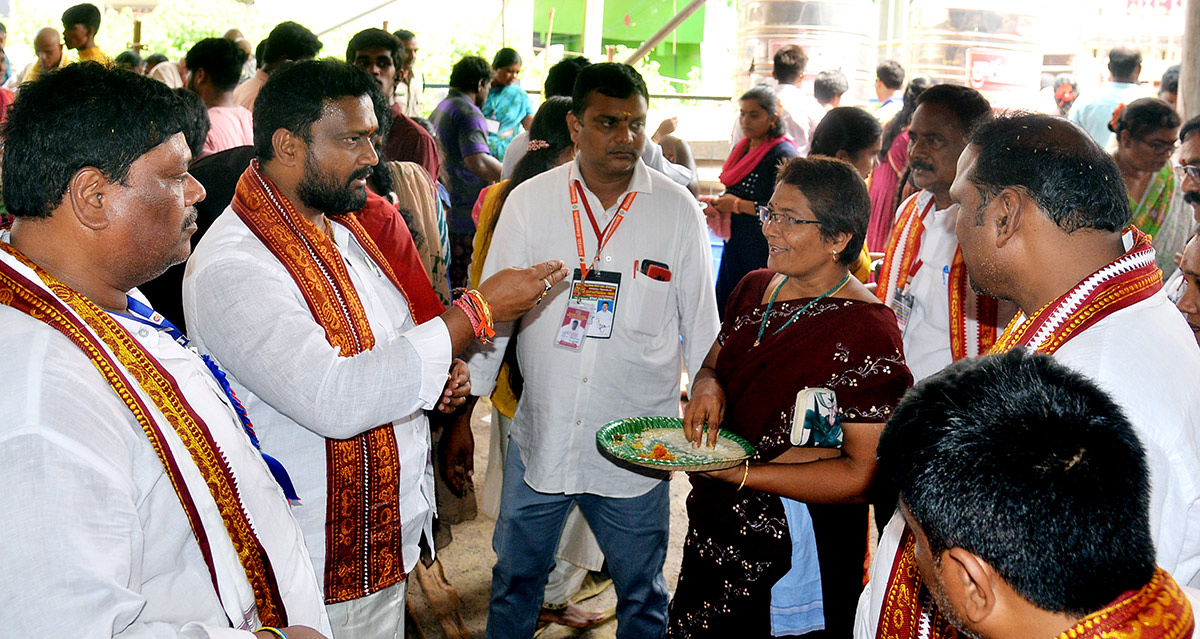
[(597, 296), (573, 329), (902, 304)]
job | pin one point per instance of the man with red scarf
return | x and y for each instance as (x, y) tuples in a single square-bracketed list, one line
[(1043, 222), (347, 343)]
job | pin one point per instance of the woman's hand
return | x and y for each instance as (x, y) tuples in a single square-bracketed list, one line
[(458, 387), (727, 203), (513, 291), (704, 412)]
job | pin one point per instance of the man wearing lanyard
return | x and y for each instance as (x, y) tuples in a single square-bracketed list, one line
[(923, 277), (637, 241)]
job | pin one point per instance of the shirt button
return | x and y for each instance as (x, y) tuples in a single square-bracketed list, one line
[(607, 258), (143, 332), (585, 380), (579, 422)]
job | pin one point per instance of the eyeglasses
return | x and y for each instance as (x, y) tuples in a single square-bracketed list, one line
[(1160, 146), (767, 215), (1188, 171)]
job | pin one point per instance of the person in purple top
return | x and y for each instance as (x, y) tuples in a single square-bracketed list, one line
[(463, 136)]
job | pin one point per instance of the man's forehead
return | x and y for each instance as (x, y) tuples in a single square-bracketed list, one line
[(1189, 151), (630, 108), (935, 118), (373, 52), (1190, 264), (348, 113)]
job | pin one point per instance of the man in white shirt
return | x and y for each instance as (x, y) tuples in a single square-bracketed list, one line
[(311, 317), (287, 42), (410, 90), (135, 501), (620, 220), (923, 278), (1093, 109), (889, 78), (1037, 230)]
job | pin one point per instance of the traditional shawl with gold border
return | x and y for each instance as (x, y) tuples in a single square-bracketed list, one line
[(128, 368), (1159, 610), (974, 318), (362, 519), (1126, 281)]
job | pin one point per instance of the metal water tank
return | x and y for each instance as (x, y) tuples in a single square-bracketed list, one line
[(991, 47), (836, 34)]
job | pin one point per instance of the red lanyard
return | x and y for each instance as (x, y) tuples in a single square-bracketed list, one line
[(916, 249), (602, 237)]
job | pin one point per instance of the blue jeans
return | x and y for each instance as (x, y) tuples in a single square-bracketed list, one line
[(632, 532)]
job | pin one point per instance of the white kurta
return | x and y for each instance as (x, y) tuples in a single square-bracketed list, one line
[(1146, 359), (927, 335), (244, 308), (569, 395), (95, 541)]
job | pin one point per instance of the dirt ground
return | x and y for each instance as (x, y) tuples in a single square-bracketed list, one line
[(469, 558)]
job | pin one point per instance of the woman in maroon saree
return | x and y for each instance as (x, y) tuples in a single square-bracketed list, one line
[(802, 323)]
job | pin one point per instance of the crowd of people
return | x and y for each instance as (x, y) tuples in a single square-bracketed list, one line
[(251, 298)]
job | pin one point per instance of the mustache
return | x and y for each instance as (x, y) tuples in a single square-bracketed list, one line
[(1192, 197), (192, 215), (624, 149), (362, 173), (921, 165)]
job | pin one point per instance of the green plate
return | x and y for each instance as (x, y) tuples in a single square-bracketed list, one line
[(633, 440)]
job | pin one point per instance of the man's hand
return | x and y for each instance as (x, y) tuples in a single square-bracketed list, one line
[(458, 387), (665, 128), (456, 450), (513, 291)]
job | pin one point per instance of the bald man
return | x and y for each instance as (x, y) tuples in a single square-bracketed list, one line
[(48, 46)]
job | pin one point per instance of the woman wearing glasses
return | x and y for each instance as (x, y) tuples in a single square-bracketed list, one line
[(1146, 133), (754, 563), (749, 176)]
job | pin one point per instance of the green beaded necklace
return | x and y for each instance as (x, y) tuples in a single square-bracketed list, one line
[(763, 327)]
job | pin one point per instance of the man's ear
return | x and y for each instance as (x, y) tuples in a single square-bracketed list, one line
[(970, 584), (85, 192), (288, 148), (1009, 208), (574, 125)]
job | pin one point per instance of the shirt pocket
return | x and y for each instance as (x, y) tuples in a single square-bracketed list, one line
[(648, 306)]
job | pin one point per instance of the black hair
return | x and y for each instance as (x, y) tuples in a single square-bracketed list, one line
[(848, 129), (790, 62), (290, 41), (195, 119), (1057, 164), (1123, 62), (259, 50), (156, 58), (1053, 473), (469, 72), (549, 127), (903, 118), (1145, 116), (84, 114), (375, 39), (221, 59), (128, 60), (1189, 127), (1170, 80), (86, 14), (294, 97), (560, 78), (404, 34), (891, 74), (611, 79), (830, 84), (969, 106), (837, 195), (506, 57), (764, 96)]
